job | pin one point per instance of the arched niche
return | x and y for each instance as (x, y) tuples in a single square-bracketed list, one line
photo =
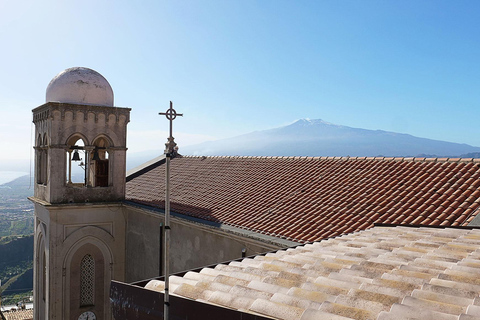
[(101, 164), (41, 153), (77, 164), (40, 273), (95, 242)]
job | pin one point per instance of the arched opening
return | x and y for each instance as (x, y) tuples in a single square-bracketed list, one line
[(100, 167), (44, 159), (39, 153), (87, 282), (41, 159), (41, 275), (77, 165)]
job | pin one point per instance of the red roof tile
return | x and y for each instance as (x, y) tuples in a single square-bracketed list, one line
[(312, 198)]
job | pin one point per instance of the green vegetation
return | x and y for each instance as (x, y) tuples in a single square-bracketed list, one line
[(16, 268), (16, 241)]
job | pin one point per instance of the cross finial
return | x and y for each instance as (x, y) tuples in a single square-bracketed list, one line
[(170, 114)]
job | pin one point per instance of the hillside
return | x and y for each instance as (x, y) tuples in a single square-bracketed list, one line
[(16, 267), (16, 240), (16, 211)]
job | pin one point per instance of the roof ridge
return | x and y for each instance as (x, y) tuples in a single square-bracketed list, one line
[(382, 158)]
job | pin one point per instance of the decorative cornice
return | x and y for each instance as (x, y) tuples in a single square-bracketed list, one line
[(46, 110)]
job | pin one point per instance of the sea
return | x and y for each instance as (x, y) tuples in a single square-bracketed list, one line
[(7, 176)]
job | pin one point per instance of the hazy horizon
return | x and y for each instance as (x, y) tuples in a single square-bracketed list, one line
[(237, 67)]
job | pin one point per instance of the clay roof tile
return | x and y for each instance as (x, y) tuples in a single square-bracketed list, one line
[(339, 194)]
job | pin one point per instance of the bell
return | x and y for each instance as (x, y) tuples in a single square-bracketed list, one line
[(76, 156), (96, 156)]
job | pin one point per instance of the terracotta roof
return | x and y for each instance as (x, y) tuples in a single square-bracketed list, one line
[(382, 273), (307, 199), (18, 314)]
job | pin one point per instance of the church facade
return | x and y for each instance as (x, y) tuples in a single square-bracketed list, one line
[(95, 223), (85, 233)]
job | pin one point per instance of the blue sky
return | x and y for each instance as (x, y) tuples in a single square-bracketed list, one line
[(233, 67)]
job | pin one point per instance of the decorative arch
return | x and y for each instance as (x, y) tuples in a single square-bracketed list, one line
[(77, 152), (41, 267), (44, 162), (41, 153), (85, 241), (39, 140), (101, 164), (73, 138), (103, 139)]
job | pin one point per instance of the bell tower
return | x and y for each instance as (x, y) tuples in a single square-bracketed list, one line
[(80, 167)]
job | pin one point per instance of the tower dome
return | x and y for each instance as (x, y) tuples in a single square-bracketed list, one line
[(80, 85)]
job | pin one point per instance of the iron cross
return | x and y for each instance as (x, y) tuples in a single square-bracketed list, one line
[(171, 114)]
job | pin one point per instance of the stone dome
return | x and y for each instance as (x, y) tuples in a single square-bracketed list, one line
[(80, 85)]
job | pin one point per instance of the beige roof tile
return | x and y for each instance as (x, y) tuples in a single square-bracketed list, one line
[(434, 305), (243, 291), (295, 301), (346, 311), (277, 310), (400, 311), (401, 278), (192, 292), (445, 298), (384, 290), (457, 292), (267, 287), (349, 278), (473, 310), (231, 301), (337, 283), (467, 317), (355, 302), (312, 295), (373, 296), (211, 285), (455, 285), (436, 285), (311, 314)]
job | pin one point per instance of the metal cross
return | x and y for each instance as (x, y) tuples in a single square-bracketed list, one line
[(170, 114)]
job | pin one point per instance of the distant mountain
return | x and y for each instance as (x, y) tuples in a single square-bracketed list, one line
[(20, 182), (320, 138)]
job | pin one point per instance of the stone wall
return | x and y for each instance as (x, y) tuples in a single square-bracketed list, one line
[(193, 244)]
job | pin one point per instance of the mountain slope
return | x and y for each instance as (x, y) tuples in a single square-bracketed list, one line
[(320, 138)]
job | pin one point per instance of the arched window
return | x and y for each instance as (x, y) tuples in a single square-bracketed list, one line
[(77, 163), (42, 159), (87, 281), (39, 154), (100, 163)]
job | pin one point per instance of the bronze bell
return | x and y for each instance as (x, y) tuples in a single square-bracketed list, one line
[(76, 156)]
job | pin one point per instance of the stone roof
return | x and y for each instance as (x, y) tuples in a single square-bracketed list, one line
[(382, 273), (306, 199), (18, 314)]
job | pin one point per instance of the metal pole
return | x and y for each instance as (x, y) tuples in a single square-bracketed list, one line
[(171, 114), (167, 236), (160, 256)]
